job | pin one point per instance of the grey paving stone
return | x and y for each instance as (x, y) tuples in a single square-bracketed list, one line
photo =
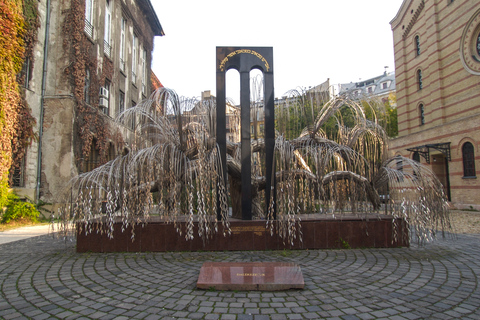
[(336, 313), (236, 305), (180, 314), (313, 308), (267, 310), (195, 315), (276, 305), (207, 304), (222, 310), (13, 315), (365, 316), (236, 310), (252, 311), (283, 310), (205, 309)]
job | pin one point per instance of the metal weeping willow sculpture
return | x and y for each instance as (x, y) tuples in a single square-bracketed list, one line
[(327, 157), (174, 172), (174, 157), (348, 170)]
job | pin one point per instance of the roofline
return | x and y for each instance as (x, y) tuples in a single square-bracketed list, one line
[(390, 74), (158, 30), (400, 10)]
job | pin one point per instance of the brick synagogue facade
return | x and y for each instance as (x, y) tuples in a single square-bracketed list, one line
[(437, 67)]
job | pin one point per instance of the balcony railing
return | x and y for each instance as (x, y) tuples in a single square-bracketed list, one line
[(88, 28), (107, 48)]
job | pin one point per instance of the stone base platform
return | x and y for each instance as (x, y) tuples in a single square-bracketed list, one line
[(319, 231), (245, 276)]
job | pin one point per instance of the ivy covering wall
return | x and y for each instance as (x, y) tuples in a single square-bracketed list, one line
[(18, 30), (90, 124)]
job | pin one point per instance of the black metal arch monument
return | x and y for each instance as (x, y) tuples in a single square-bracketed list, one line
[(245, 59)]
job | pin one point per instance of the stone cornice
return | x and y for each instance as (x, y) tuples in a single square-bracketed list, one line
[(414, 19)]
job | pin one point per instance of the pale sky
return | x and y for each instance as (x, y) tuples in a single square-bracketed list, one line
[(312, 40)]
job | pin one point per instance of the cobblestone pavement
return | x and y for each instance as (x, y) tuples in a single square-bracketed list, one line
[(44, 278)]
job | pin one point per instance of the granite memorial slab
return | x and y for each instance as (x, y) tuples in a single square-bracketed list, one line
[(263, 276)]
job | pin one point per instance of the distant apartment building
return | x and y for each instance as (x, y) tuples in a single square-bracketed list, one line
[(232, 114), (381, 86), (437, 67), (93, 61), (322, 92)]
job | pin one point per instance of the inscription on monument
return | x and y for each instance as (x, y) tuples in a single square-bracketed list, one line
[(253, 52), (257, 230), (250, 274)]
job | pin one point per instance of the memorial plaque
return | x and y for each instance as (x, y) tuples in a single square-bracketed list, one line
[(265, 276)]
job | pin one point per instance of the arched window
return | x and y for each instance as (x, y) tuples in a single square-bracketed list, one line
[(421, 112), (417, 45), (468, 156), (419, 79)]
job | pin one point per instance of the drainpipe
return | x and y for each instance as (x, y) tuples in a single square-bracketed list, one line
[(44, 80)]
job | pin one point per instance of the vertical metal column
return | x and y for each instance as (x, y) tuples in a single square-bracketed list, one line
[(221, 130), (447, 176), (269, 101), (246, 147)]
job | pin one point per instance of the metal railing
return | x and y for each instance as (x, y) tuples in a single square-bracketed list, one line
[(107, 48), (88, 28)]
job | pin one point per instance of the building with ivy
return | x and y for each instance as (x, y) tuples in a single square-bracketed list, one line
[(91, 61), (437, 67)]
